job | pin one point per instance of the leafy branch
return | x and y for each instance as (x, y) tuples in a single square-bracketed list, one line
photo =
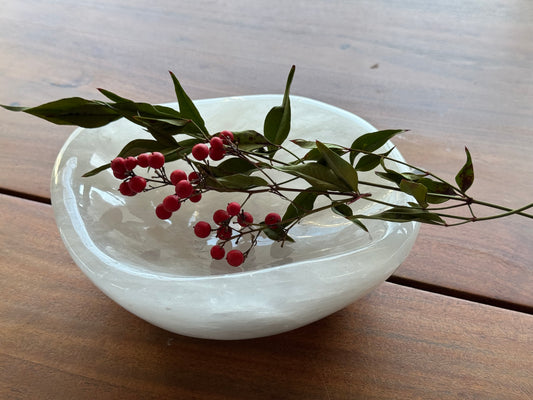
[(246, 162)]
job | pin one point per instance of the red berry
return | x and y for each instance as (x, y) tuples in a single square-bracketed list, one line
[(217, 252), (227, 136), (131, 163), (220, 216), (235, 258), (216, 143), (184, 189), (118, 164), (142, 160), (137, 184), (172, 203), (178, 175), (233, 208), (194, 177), (156, 160), (202, 229), (272, 219), (124, 188), (216, 154), (120, 174), (162, 212), (196, 197), (224, 232), (245, 219), (200, 151)]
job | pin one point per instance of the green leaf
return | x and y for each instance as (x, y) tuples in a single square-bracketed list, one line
[(342, 210), (277, 234), (345, 211), (406, 214), (370, 142), (235, 181), (278, 120), (304, 144), (72, 111), (232, 166), (250, 140), (300, 205), (465, 177), (112, 96), (187, 107), (436, 187), (415, 189), (391, 176), (96, 170), (318, 175), (369, 162), (316, 155), (342, 168)]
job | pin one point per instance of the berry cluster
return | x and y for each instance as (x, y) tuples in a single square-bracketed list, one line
[(225, 232), (123, 169), (187, 188), (215, 150)]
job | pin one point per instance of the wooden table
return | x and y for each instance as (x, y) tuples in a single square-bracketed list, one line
[(454, 322)]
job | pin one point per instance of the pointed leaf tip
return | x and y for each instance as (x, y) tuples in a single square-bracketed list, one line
[(465, 177)]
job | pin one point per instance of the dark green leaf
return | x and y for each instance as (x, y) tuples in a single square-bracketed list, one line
[(278, 120), (340, 167), (250, 140), (370, 142), (436, 187), (232, 166), (345, 211), (405, 214), (304, 144), (236, 181), (369, 162), (391, 176), (72, 111), (300, 205), (465, 177), (113, 97), (318, 175), (415, 189), (96, 170), (342, 210), (278, 235), (187, 107)]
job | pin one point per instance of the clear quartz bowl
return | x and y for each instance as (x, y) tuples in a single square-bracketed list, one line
[(162, 273)]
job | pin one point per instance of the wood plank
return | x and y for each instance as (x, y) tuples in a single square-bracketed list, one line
[(454, 72), (61, 338)]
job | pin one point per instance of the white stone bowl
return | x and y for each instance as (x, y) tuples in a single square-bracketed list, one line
[(161, 272)]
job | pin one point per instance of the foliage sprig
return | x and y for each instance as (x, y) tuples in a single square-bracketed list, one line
[(251, 166)]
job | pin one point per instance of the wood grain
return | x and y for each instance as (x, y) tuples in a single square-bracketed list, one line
[(61, 338), (454, 72)]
